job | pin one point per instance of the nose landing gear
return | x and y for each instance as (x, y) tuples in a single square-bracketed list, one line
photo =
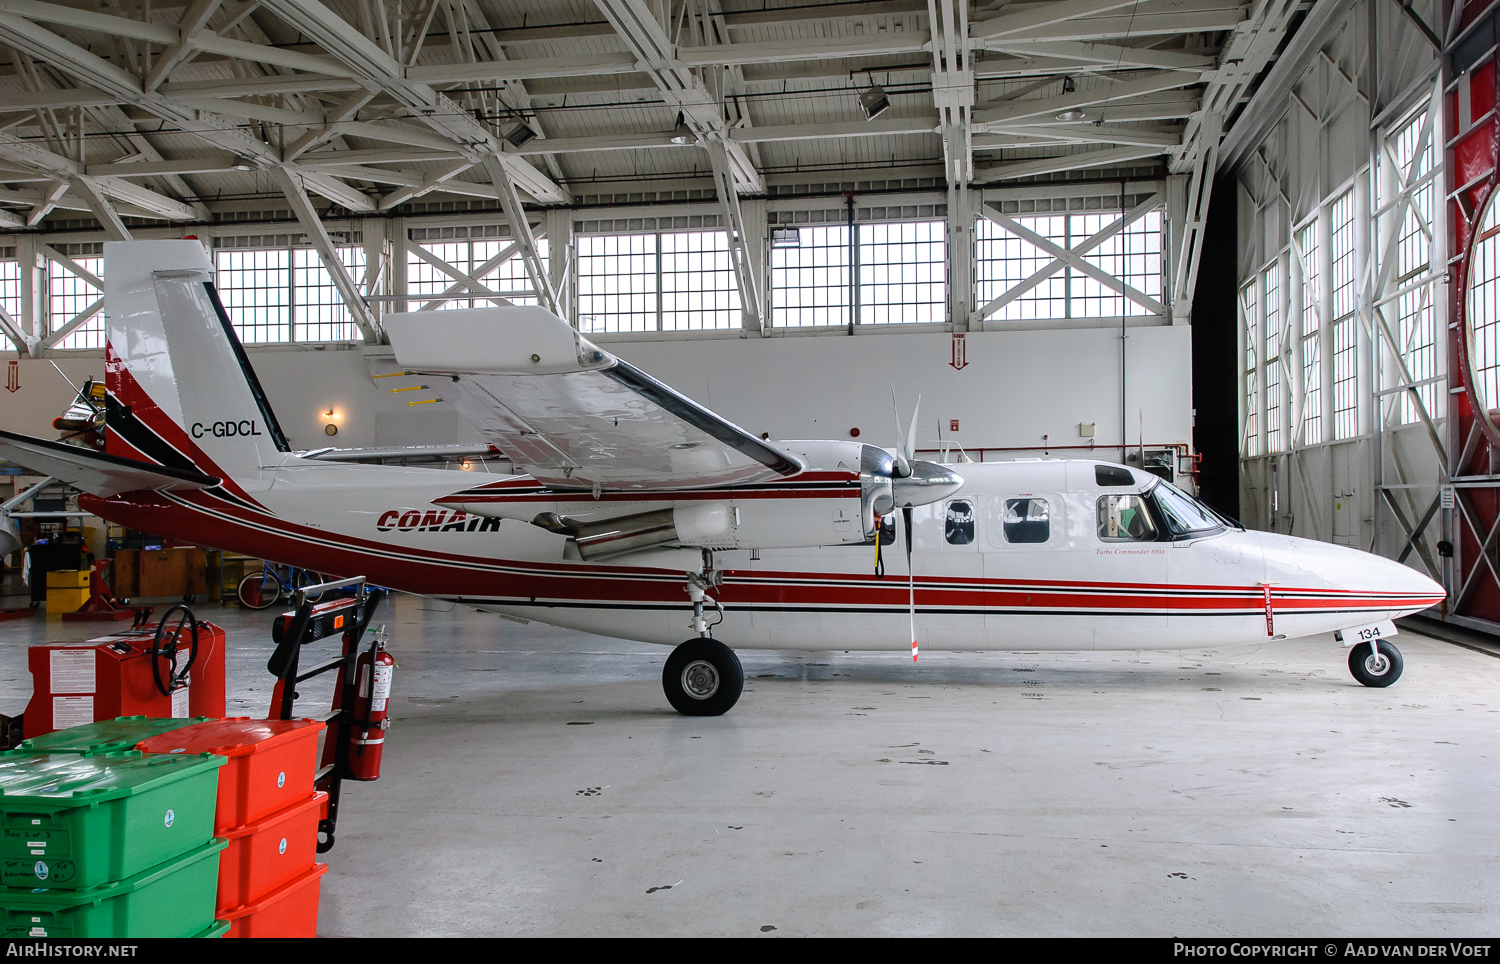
[(703, 677), (1378, 666)]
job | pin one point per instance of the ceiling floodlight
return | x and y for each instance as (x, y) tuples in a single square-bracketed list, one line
[(521, 135), (240, 164), (874, 101), (1071, 115), (786, 238), (1068, 85), (682, 134)]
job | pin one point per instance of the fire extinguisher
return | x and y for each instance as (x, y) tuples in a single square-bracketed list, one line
[(372, 696)]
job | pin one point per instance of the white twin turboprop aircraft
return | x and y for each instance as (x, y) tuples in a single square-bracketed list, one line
[(630, 485)]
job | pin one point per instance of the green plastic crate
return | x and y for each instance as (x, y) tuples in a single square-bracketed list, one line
[(219, 929), (172, 899), (70, 822), (106, 736)]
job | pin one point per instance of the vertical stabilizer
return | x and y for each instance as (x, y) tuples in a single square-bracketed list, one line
[(181, 389)]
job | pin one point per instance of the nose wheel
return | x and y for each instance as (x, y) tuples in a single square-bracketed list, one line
[(1380, 667), (703, 677)]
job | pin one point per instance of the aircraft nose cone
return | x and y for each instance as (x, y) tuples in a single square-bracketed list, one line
[(1405, 579)]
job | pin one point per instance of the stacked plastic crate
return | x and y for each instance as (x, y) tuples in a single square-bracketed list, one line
[(268, 810), (110, 844)]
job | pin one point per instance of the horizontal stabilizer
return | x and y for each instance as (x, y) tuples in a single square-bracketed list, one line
[(94, 472)]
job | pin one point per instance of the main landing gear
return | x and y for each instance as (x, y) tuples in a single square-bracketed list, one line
[(1377, 666), (703, 677)]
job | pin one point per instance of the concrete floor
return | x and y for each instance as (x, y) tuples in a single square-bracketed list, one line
[(537, 783)]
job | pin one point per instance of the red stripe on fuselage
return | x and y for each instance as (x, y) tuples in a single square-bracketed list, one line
[(428, 572)]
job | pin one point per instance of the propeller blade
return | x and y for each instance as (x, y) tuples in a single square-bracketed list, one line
[(911, 434), (911, 584), (903, 467)]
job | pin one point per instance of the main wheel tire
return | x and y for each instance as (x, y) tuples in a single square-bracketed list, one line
[(703, 677), (1381, 668), (258, 591)]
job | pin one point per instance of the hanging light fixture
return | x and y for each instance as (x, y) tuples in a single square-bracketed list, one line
[(1073, 113), (682, 134), (521, 135), (874, 101)]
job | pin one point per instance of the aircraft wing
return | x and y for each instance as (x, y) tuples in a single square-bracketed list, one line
[(94, 472), (570, 414)]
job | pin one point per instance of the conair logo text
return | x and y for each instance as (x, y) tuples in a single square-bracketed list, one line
[(244, 427), (435, 520)]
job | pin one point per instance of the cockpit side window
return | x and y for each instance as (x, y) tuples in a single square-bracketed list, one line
[(1112, 475), (1182, 513), (958, 523), (1124, 518)]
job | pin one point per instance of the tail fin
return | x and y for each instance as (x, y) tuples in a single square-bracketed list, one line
[(181, 389)]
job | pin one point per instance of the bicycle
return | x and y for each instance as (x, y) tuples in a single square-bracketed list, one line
[(262, 590)]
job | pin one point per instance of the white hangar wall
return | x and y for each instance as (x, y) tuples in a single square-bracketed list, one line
[(1016, 387)]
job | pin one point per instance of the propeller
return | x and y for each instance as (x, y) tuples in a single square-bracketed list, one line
[(903, 470), (904, 453), (911, 583)]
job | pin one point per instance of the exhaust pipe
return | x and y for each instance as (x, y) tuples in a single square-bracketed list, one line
[(644, 530)]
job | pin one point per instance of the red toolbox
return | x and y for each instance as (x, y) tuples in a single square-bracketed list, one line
[(271, 763), (112, 676), (291, 910), (264, 855)]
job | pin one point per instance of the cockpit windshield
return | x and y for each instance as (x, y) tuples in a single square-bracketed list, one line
[(1184, 514)]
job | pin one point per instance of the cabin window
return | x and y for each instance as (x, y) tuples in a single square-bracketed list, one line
[(958, 525), (1027, 521), (1123, 518)]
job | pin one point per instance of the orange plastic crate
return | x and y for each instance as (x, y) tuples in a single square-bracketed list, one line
[(271, 763), (291, 910), (268, 853)]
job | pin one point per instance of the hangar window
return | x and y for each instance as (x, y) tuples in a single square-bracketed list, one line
[(1305, 247), (1275, 364), (1484, 309), (903, 275), (668, 281), (1407, 179), (1345, 362), (494, 262), (68, 295), (1019, 275), (958, 523), (698, 290), (10, 295), (1251, 327), (285, 294), (1123, 518), (1027, 521), (810, 283)]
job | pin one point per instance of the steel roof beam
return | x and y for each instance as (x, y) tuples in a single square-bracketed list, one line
[(193, 22), (42, 44), (1069, 162), (377, 68), (1016, 110), (680, 87)]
